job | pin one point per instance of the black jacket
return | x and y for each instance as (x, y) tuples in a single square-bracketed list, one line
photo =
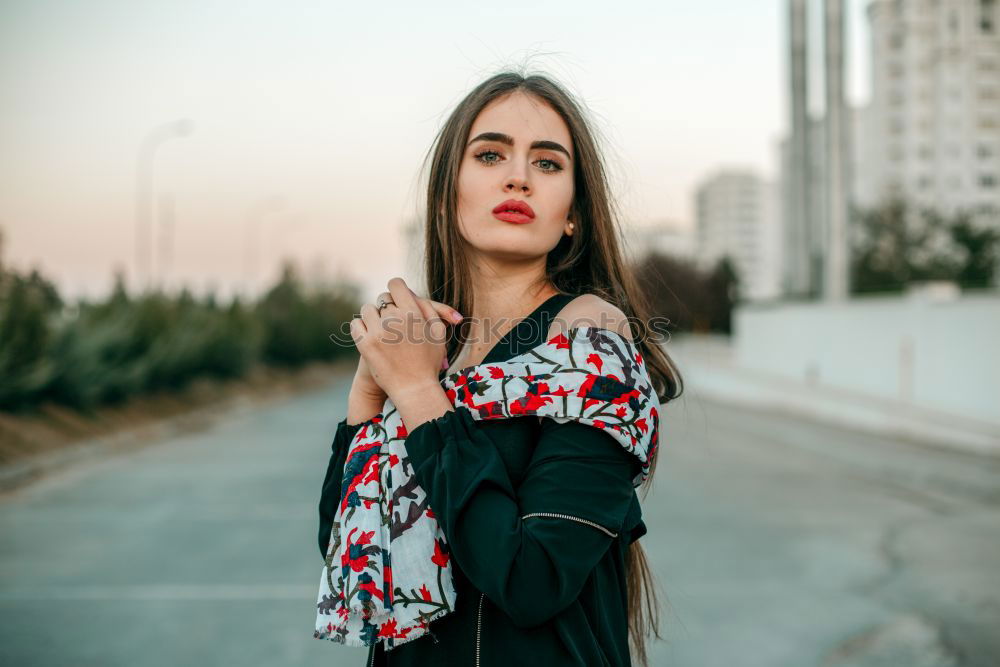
[(538, 516)]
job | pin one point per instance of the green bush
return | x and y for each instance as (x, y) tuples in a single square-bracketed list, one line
[(92, 354)]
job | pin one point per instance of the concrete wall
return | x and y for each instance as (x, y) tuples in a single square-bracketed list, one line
[(940, 354)]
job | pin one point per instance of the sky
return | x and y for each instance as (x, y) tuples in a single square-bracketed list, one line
[(310, 120)]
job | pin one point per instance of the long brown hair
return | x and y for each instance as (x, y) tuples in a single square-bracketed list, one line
[(589, 261)]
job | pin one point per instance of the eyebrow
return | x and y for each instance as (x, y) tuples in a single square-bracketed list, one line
[(509, 140)]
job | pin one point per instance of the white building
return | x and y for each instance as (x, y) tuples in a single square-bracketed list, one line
[(934, 119), (736, 217)]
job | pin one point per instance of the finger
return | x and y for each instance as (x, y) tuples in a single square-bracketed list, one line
[(358, 331), (386, 298), (427, 310), (370, 318), (446, 312), (403, 296)]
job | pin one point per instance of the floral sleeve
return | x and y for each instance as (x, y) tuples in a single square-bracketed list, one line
[(530, 552)]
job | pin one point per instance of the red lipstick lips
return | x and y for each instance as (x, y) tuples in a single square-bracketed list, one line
[(515, 211)]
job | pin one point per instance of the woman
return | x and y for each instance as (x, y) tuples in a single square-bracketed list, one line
[(522, 237)]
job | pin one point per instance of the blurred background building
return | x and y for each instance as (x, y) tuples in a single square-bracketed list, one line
[(736, 218), (932, 131)]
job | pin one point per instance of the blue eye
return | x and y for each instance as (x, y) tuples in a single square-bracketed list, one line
[(481, 156)]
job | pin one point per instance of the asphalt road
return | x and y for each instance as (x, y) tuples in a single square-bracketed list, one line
[(777, 542)]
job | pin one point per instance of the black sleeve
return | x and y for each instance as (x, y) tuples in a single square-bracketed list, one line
[(330, 495), (529, 552)]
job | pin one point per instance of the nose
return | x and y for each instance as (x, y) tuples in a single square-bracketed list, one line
[(516, 183)]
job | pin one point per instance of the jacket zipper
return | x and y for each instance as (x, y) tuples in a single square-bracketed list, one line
[(573, 518), (482, 596), (371, 656), (479, 625)]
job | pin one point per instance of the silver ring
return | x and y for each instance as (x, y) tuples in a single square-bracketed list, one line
[(382, 303)]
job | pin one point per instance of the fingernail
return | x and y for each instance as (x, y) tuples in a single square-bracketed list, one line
[(456, 316)]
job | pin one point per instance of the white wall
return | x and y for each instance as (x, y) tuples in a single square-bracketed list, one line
[(939, 355)]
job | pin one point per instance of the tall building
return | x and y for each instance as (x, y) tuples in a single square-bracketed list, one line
[(735, 215), (935, 108)]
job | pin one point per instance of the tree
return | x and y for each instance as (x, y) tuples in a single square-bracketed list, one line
[(896, 244)]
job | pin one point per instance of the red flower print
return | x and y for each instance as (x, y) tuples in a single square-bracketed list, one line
[(371, 471), (624, 398), (641, 424), (387, 629), (560, 392), (590, 401), (366, 538), (596, 360), (357, 564), (393, 459), (638, 357), (372, 588), (440, 557), (429, 513), (528, 404), (495, 372), (560, 341), (424, 593), (477, 377), (450, 393), (620, 412), (599, 424), (401, 431)]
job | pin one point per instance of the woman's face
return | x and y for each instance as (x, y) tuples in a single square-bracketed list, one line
[(518, 149)]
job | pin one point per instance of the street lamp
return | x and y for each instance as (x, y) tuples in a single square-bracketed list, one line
[(144, 192), (262, 207)]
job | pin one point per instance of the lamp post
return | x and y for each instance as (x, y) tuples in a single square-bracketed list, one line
[(262, 207), (144, 192)]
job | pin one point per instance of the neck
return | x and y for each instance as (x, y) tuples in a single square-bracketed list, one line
[(503, 293)]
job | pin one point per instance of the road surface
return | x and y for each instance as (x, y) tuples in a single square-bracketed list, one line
[(777, 542)]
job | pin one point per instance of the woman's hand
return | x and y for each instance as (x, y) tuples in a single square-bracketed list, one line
[(403, 347)]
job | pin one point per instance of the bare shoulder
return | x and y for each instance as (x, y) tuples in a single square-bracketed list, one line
[(590, 310)]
